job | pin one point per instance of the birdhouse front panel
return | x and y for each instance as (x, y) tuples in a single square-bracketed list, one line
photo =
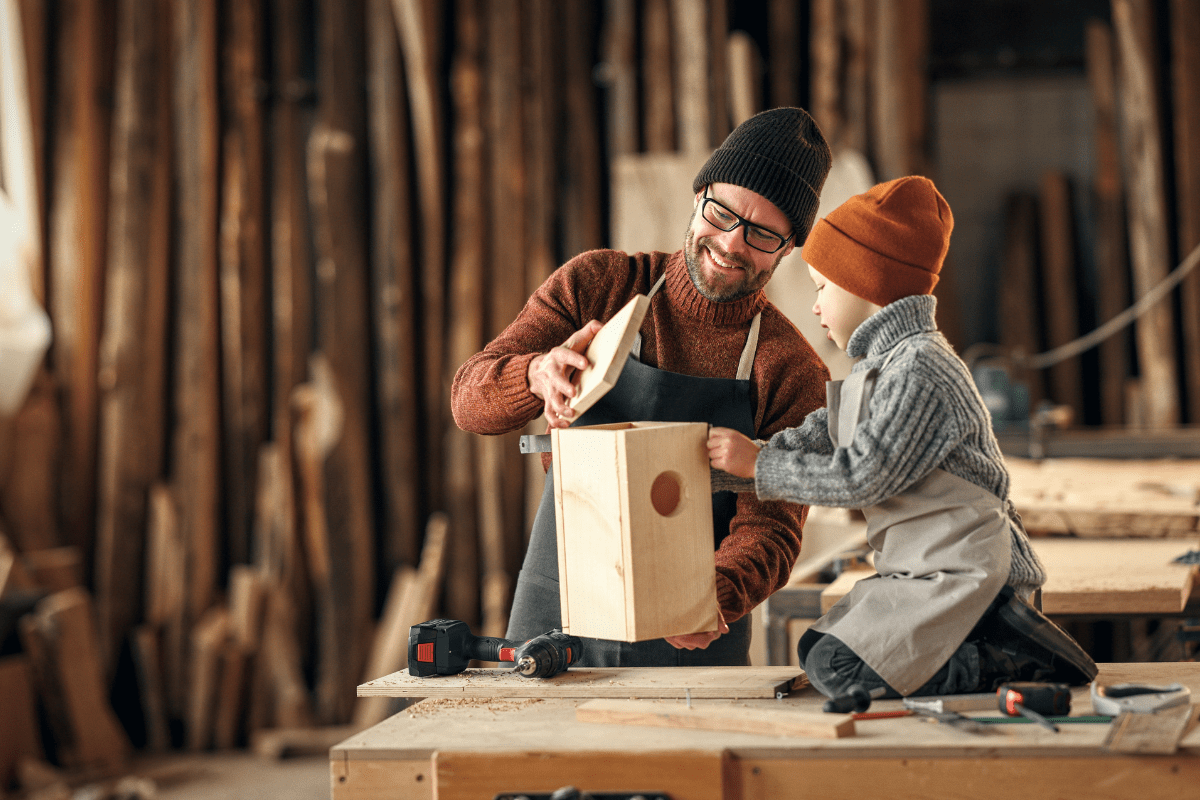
[(635, 536)]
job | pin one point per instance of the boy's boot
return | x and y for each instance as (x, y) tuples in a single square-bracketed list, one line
[(1018, 643)]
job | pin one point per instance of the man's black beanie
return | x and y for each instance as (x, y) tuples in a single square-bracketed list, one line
[(780, 154)]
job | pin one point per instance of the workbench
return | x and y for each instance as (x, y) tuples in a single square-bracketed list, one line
[(478, 747)]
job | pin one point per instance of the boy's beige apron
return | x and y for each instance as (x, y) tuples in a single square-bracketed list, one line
[(942, 552)]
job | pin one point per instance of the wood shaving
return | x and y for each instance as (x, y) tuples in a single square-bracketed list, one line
[(437, 705)]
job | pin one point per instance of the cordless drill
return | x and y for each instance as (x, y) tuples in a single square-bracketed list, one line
[(446, 646)]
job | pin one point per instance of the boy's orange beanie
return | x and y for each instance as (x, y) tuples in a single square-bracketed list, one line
[(886, 243)]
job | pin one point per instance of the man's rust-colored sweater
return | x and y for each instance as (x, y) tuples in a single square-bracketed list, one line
[(685, 333)]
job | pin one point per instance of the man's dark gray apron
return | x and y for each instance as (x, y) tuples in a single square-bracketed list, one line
[(642, 394)]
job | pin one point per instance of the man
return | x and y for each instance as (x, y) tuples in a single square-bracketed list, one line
[(711, 349)]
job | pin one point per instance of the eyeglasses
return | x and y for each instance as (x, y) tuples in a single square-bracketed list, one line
[(723, 219)]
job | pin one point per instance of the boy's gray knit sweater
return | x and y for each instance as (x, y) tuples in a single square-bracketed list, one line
[(925, 413)]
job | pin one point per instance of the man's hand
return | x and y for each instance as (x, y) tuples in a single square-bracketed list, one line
[(551, 374), (699, 641), (732, 452)]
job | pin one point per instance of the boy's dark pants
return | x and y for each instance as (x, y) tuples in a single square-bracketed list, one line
[(1011, 642)]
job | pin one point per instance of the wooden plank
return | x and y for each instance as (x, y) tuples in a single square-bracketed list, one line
[(826, 42), (467, 775), (745, 77), (658, 105), (419, 23), (283, 665), (1059, 288), (78, 209), (55, 569), (690, 28), (1107, 497), (133, 348), (291, 287), (719, 124), (859, 33), (784, 46), (243, 269), (230, 698), (66, 624), (607, 352), (620, 43), (900, 133), (634, 682), (208, 639), (30, 447), (415, 601), (394, 306), (1185, 100), (1158, 733), (468, 281), (24, 78), (195, 468), (20, 737), (579, 145), (1141, 124), (337, 187), (1112, 268), (147, 660), (1020, 319), (500, 474), (1114, 576), (709, 717), (166, 594), (389, 648), (1096, 576)]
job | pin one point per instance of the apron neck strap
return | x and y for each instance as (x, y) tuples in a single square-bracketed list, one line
[(657, 285), (746, 363)]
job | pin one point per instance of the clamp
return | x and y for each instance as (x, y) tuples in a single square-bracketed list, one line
[(1137, 698)]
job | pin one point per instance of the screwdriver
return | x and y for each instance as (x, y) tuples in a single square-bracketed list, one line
[(856, 698)]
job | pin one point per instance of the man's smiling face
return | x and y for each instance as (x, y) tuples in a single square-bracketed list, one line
[(721, 264)]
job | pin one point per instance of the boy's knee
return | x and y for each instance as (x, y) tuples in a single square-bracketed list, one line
[(832, 668)]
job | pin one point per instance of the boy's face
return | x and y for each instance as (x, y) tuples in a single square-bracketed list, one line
[(841, 312)]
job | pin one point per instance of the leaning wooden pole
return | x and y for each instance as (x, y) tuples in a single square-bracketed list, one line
[(394, 282), (76, 248), (418, 24), (1141, 121), (1112, 263), (133, 352), (1185, 83), (195, 467), (337, 187)]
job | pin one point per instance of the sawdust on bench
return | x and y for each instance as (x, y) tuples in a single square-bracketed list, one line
[(436, 705)]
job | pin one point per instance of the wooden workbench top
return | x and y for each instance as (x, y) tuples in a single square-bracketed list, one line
[(531, 724)]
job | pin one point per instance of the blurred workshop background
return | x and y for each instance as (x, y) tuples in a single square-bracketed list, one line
[(247, 243)]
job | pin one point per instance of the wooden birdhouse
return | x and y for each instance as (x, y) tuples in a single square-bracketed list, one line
[(635, 535)]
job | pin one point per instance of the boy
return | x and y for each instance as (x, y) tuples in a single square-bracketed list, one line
[(907, 439)]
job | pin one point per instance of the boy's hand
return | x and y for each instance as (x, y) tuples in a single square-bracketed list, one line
[(552, 375), (699, 641), (732, 452)]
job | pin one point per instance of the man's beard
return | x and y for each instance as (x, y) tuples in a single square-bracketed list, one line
[(729, 290)]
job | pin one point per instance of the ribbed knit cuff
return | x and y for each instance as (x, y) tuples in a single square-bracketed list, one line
[(514, 385)]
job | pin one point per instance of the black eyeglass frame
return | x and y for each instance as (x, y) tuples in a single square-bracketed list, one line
[(743, 222)]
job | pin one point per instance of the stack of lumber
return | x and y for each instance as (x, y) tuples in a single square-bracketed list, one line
[(1145, 144)]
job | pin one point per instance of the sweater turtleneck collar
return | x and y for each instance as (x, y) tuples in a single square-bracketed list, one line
[(684, 295), (882, 330)]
